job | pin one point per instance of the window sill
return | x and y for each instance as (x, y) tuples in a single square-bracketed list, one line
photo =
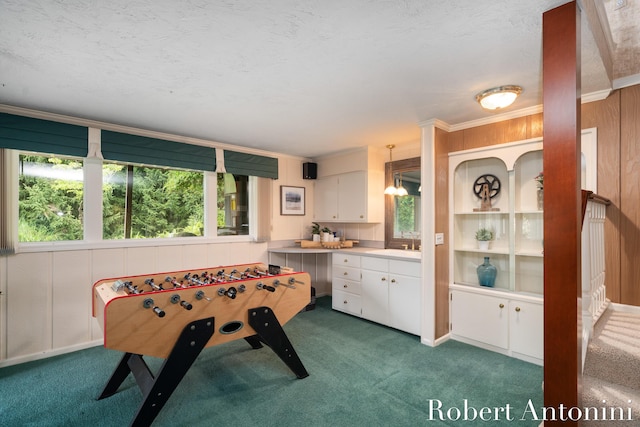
[(128, 243)]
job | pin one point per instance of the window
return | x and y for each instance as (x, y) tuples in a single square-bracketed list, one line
[(148, 202), (50, 198), (233, 204), (407, 217)]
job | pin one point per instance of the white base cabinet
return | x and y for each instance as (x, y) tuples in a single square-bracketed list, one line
[(385, 291), (499, 321)]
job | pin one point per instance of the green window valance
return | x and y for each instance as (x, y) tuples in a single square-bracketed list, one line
[(250, 164), (159, 152), (46, 136), (43, 136)]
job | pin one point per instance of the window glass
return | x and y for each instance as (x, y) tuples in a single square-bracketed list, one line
[(407, 217), (233, 204), (50, 199), (147, 202)]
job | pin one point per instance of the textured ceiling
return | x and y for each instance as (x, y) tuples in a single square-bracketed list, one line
[(292, 76)]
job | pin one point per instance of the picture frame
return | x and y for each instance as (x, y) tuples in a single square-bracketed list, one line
[(292, 200)]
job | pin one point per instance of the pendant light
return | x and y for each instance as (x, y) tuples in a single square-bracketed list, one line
[(390, 190), (400, 190)]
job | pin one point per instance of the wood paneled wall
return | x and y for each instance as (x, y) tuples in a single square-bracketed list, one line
[(617, 120), (630, 195)]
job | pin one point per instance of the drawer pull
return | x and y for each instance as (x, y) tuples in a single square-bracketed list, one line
[(501, 306), (345, 274), (345, 286), (518, 309), (345, 301), (346, 260)]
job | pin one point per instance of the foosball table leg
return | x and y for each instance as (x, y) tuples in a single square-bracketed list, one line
[(156, 391), (269, 331)]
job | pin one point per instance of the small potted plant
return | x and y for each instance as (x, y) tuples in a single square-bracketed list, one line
[(484, 236), (315, 232), (327, 236)]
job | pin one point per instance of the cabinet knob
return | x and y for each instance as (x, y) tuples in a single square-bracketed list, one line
[(346, 286), (501, 306), (518, 309), (383, 279), (345, 273), (334, 217), (393, 280), (361, 216), (345, 302), (346, 260)]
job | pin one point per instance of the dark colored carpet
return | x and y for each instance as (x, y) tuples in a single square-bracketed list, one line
[(361, 374)]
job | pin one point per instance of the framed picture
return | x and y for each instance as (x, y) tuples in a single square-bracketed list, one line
[(291, 200)]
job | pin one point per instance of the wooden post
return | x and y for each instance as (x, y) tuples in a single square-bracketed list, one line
[(562, 207)]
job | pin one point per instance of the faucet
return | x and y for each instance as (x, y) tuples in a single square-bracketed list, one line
[(413, 244)]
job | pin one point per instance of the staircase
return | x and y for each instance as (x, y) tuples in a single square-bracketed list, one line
[(611, 377)]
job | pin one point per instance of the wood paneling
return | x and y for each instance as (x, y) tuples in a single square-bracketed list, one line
[(562, 206), (605, 116), (496, 133), (630, 195), (442, 145)]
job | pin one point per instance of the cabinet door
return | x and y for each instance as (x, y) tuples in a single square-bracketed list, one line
[(480, 317), (526, 326), (352, 197), (326, 199), (375, 296), (404, 303)]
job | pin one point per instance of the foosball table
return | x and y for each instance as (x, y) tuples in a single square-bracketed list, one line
[(175, 315)]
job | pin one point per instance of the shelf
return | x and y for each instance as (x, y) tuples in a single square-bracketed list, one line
[(482, 213), (531, 254), (489, 252), (517, 248)]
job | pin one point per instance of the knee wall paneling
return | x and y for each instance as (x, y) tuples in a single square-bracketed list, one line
[(46, 303)]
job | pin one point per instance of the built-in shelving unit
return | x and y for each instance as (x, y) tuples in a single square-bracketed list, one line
[(507, 318)]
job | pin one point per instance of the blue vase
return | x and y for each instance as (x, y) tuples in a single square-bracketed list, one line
[(487, 273)]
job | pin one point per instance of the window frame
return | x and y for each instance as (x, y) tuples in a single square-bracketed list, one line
[(92, 220)]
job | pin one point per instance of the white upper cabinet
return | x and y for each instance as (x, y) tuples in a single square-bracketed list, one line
[(350, 188)]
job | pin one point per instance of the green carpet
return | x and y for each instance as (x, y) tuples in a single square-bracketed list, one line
[(361, 374)]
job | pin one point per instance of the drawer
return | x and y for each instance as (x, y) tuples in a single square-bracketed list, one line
[(346, 260), (348, 273), (405, 268), (344, 301), (343, 285), (374, 263)]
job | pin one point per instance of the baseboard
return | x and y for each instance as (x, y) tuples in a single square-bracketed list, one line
[(624, 308), (436, 342), (50, 353)]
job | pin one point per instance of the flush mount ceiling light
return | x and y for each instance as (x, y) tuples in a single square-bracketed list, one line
[(498, 97)]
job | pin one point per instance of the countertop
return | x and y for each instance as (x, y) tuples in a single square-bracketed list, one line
[(405, 255)]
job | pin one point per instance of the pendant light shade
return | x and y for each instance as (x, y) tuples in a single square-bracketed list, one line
[(392, 190)]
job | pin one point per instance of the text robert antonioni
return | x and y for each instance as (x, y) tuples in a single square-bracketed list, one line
[(465, 411)]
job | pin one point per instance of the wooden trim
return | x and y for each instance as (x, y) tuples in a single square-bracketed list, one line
[(561, 159), (390, 168)]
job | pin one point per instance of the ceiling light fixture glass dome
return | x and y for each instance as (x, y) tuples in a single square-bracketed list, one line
[(498, 97)]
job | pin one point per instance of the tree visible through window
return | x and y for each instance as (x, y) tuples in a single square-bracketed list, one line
[(50, 199), (161, 202)]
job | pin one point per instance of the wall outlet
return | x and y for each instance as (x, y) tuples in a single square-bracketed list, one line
[(439, 238)]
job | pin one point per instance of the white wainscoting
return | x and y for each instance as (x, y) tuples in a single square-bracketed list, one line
[(46, 299)]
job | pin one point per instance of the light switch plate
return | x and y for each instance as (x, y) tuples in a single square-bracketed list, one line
[(439, 238)]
